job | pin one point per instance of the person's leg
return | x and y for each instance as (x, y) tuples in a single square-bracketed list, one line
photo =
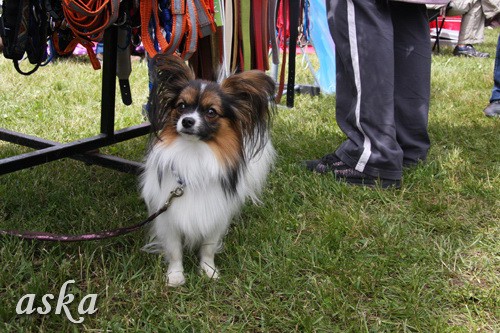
[(412, 53), (472, 25), (491, 8), (493, 109), (495, 94), (363, 35)]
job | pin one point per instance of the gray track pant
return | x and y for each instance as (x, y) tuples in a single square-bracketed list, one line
[(383, 59)]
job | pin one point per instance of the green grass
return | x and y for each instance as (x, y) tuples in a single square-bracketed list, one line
[(316, 256)]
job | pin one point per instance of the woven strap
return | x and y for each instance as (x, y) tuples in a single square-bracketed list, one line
[(271, 25), (88, 19), (236, 35), (70, 47), (191, 42), (206, 24), (190, 19), (23, 29), (284, 33), (179, 24), (228, 35), (260, 34), (14, 28), (246, 38), (149, 13), (123, 65), (265, 35)]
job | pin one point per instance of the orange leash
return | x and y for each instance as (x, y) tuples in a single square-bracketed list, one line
[(191, 19), (72, 45), (88, 20)]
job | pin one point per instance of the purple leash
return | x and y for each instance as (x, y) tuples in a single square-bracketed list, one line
[(49, 237)]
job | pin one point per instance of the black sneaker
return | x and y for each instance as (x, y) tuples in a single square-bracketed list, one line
[(325, 164), (469, 51), (354, 177)]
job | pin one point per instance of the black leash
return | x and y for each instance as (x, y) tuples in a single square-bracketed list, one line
[(49, 237)]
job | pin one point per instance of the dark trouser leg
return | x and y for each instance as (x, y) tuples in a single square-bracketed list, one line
[(412, 54), (363, 34), (495, 94), (383, 75)]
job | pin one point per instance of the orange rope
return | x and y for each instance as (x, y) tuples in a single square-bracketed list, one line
[(88, 19)]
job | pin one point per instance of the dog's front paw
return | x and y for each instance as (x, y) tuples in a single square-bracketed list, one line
[(175, 279), (210, 270)]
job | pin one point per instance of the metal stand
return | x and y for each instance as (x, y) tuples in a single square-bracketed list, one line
[(291, 87), (83, 149)]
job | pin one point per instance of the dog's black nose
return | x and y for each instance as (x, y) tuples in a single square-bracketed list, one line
[(188, 122)]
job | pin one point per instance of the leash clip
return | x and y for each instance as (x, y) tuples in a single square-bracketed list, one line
[(177, 192)]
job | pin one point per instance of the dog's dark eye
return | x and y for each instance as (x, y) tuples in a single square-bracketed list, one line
[(211, 113), (181, 106)]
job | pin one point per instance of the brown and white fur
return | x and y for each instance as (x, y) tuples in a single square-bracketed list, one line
[(214, 139)]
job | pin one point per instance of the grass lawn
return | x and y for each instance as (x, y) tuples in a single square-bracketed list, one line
[(316, 256)]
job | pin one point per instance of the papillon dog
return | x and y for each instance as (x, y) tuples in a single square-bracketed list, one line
[(213, 140)]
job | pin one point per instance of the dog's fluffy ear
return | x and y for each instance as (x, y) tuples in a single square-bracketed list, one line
[(169, 75), (252, 94)]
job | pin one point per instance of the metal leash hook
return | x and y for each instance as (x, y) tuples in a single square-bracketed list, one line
[(177, 192)]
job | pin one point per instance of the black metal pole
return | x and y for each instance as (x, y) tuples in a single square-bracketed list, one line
[(294, 13), (109, 82)]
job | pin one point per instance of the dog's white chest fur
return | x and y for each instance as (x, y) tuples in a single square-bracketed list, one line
[(201, 216), (205, 209)]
